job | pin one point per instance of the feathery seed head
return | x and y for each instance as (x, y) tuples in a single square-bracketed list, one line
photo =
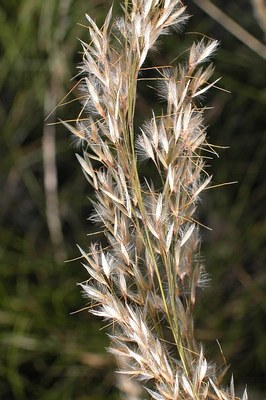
[(146, 283)]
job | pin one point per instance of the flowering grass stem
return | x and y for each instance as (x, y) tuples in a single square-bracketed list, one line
[(146, 282)]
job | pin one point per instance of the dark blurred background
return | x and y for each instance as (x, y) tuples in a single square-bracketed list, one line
[(46, 352)]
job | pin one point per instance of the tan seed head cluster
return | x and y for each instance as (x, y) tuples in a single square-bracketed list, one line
[(145, 282)]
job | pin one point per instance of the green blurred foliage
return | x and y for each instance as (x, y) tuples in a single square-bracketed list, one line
[(46, 352)]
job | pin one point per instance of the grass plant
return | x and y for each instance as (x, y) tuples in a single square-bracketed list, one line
[(145, 281), (46, 353)]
